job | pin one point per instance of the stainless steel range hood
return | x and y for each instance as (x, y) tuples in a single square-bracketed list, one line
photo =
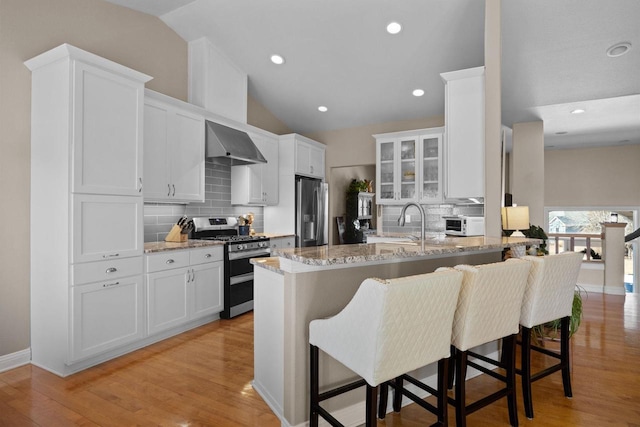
[(225, 142)]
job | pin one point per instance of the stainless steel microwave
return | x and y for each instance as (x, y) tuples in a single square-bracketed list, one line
[(464, 225)]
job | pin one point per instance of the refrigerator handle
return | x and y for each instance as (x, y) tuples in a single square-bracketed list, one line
[(298, 213), (321, 210)]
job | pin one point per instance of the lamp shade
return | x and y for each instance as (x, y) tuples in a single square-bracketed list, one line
[(515, 218)]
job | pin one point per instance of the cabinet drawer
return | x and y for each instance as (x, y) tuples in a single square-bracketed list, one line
[(167, 260), (204, 255), (106, 270)]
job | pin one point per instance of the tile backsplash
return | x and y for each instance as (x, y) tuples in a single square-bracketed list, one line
[(433, 217), (160, 217)]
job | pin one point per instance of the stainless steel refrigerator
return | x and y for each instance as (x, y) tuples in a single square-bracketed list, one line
[(312, 212)]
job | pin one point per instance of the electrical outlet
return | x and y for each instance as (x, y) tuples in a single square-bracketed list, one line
[(407, 218)]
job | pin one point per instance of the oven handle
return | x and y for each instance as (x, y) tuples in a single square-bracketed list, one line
[(240, 279), (262, 252)]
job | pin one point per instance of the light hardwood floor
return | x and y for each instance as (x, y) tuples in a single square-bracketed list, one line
[(202, 378)]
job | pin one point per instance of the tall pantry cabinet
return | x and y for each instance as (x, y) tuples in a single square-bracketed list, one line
[(86, 208)]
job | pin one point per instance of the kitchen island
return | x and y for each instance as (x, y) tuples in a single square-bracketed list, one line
[(303, 284)]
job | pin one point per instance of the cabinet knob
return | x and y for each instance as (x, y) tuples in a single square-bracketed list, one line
[(207, 255), (169, 261), (111, 270)]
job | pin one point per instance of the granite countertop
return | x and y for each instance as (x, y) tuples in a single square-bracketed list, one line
[(389, 251), (272, 263), (151, 247)]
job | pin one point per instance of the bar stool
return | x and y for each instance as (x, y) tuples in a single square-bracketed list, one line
[(389, 327), (548, 297), (488, 309)]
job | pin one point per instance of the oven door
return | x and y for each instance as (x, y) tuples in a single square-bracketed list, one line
[(238, 286)]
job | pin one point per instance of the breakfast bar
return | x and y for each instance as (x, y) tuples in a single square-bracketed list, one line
[(298, 285)]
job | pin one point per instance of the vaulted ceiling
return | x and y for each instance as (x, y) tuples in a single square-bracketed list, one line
[(338, 54)]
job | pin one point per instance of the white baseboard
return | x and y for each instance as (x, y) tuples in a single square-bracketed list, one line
[(13, 360)]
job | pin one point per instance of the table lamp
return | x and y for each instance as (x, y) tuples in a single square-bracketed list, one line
[(515, 218)]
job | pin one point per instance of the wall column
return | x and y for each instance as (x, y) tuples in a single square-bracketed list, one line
[(527, 186), (493, 118), (613, 251)]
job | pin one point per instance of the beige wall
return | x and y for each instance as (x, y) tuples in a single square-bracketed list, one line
[(28, 28), (259, 116), (592, 176)]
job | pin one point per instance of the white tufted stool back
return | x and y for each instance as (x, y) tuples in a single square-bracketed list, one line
[(390, 327)]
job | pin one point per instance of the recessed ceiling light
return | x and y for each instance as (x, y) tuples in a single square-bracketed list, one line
[(323, 109), (618, 49), (577, 111), (562, 133), (277, 59), (394, 28), (418, 92)]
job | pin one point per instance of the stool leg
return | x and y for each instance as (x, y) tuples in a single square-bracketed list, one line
[(509, 352), (397, 394), (314, 386), (443, 380), (452, 370), (384, 399), (526, 372), (461, 374), (564, 355), (372, 396)]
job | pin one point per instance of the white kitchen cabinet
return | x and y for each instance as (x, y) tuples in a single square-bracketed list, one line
[(106, 227), (281, 217), (86, 202), (309, 157), (409, 167), (282, 242), (106, 315), (182, 286), (257, 184), (173, 150), (107, 132), (464, 136)]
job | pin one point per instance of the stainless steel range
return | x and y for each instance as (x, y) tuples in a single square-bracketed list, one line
[(238, 250)]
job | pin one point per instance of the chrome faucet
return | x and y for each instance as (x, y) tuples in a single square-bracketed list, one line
[(422, 219)]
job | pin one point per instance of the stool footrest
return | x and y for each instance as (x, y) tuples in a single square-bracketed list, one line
[(340, 390), (415, 398)]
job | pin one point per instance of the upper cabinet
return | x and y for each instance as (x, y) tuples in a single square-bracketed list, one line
[(107, 134), (257, 184), (409, 166), (464, 136), (309, 157), (173, 150)]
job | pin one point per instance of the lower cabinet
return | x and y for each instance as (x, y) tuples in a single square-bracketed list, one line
[(282, 242), (106, 315), (183, 286)]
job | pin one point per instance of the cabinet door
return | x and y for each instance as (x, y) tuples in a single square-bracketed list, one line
[(167, 299), (407, 168), (156, 181), (106, 227), (386, 172), (107, 132), (431, 168), (316, 162), (106, 315), (270, 171), (206, 281), (186, 152), (303, 157)]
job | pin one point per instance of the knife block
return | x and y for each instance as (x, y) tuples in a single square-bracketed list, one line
[(176, 236)]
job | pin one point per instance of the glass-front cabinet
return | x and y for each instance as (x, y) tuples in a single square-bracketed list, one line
[(409, 167)]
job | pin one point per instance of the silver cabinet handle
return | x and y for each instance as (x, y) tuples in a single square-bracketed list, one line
[(111, 270), (207, 255), (140, 189), (193, 275), (174, 190), (188, 276), (108, 285), (169, 261), (169, 190), (110, 255)]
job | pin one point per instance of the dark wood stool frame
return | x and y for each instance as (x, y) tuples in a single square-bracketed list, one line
[(563, 364)]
